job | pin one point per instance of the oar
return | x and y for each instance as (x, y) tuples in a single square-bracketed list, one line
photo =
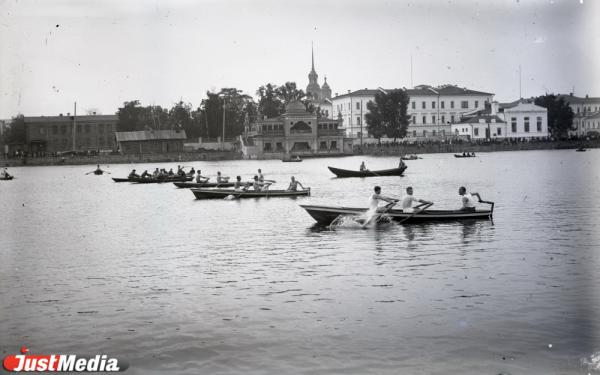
[(377, 216), (487, 202), (416, 211)]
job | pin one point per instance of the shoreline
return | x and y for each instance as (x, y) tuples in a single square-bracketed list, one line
[(371, 150)]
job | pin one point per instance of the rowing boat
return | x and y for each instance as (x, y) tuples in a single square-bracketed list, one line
[(202, 193), (368, 173), (203, 184), (326, 214), (581, 149), (162, 180), (412, 157), (7, 178), (463, 156), (291, 160)]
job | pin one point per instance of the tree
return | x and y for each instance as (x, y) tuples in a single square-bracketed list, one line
[(180, 117), (388, 114), (131, 117), (560, 114), (269, 103), (289, 92), (238, 108), (15, 134)]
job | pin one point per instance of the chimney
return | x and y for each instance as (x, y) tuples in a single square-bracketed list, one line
[(493, 108), (348, 91)]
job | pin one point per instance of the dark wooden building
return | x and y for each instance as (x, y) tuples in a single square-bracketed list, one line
[(46, 134), (150, 141)]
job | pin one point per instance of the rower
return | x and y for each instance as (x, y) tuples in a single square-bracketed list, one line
[(221, 179), (468, 203), (201, 179), (5, 174), (145, 174), (192, 172), (180, 171), (376, 197), (363, 167), (171, 173), (155, 173), (401, 164), (294, 185), (133, 175), (261, 178), (238, 184), (408, 200), (259, 185)]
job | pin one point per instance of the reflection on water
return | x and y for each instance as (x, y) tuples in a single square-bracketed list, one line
[(177, 285)]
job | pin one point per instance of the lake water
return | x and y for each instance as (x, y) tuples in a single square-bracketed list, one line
[(183, 286)]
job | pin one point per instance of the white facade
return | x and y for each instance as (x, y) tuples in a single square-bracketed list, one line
[(482, 127), (432, 110), (526, 120)]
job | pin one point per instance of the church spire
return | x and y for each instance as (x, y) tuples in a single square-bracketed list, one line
[(312, 55)]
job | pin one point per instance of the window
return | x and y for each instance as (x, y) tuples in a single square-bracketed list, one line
[(358, 105), (413, 105), (433, 105), (279, 146), (424, 119), (423, 105), (442, 104), (451, 103), (55, 129), (63, 129), (444, 133), (433, 133), (78, 128), (414, 119), (499, 131), (539, 124), (267, 146), (526, 124), (464, 104), (424, 133), (433, 119), (513, 124), (333, 145), (452, 118), (358, 120), (87, 129), (577, 109), (323, 145), (443, 119), (476, 132), (349, 106), (476, 103), (414, 133)]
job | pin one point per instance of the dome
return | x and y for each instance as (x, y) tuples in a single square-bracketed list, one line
[(325, 85), (295, 106)]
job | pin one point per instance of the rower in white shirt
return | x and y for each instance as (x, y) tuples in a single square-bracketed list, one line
[(468, 203), (409, 199)]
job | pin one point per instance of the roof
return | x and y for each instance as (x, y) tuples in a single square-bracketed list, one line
[(421, 90), (523, 105), (485, 118), (68, 117), (150, 135), (295, 107), (443, 90), (572, 99)]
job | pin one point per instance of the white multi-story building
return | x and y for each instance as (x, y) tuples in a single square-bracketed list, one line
[(432, 109), (586, 112), (519, 119)]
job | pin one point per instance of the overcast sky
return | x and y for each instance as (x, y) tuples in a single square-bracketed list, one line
[(102, 53)]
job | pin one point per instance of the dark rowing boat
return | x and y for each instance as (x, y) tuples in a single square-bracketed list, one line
[(119, 179), (326, 214), (367, 173), (202, 193), (291, 160), (463, 156), (162, 180), (203, 184), (7, 178), (581, 149)]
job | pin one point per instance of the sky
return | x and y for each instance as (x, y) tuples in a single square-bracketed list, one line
[(101, 53)]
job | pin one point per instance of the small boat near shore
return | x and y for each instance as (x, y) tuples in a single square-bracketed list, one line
[(581, 149), (325, 215), (188, 185), (464, 156), (203, 193), (342, 173), (410, 157), (291, 160)]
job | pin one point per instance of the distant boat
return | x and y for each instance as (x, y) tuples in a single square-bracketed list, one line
[(410, 157), (6, 178), (368, 173), (581, 149), (203, 184), (202, 193), (464, 156), (292, 160)]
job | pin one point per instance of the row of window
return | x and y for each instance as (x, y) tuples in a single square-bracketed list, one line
[(587, 109), (464, 104), (442, 119), (513, 124), (433, 133), (86, 128), (268, 146)]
